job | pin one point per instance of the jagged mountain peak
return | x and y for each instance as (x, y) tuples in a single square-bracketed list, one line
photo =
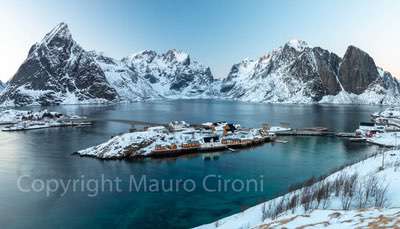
[(357, 70), (353, 51), (298, 45), (170, 56), (58, 40), (178, 56), (58, 34), (57, 70), (351, 48), (147, 55)]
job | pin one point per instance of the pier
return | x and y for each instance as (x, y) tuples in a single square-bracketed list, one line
[(315, 132)]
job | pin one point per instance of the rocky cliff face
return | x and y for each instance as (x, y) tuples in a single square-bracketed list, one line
[(357, 71), (299, 73), (59, 71)]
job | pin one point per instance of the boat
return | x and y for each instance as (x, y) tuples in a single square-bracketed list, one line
[(369, 129), (357, 139), (277, 129), (211, 156)]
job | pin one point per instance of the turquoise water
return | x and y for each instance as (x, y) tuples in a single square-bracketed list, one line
[(46, 154)]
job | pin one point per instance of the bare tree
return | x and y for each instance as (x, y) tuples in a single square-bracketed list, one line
[(380, 199)]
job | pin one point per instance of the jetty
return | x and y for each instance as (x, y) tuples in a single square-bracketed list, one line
[(315, 131), (21, 120), (23, 126)]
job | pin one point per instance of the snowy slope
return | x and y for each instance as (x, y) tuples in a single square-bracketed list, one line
[(148, 75), (299, 73), (386, 92), (338, 219), (173, 74), (368, 174), (2, 86)]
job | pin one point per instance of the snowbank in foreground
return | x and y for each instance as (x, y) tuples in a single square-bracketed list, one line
[(363, 218), (254, 217)]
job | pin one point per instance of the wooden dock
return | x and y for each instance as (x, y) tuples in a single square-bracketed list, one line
[(310, 132)]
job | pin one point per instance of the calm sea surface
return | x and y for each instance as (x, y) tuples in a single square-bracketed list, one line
[(43, 155)]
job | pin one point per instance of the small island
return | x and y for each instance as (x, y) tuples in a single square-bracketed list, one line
[(21, 120), (179, 138)]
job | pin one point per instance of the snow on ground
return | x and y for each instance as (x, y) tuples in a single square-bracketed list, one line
[(67, 98), (388, 139), (332, 214), (362, 218), (28, 119), (12, 116), (368, 97), (117, 147), (144, 142), (391, 112)]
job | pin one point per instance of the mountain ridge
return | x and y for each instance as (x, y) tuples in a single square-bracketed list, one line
[(58, 70)]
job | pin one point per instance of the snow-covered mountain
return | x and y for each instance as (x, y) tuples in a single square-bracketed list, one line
[(59, 71), (299, 73), (148, 75)]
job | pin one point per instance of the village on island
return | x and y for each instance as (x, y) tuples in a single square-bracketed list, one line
[(179, 137), (21, 120)]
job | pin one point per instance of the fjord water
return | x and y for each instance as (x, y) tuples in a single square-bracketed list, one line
[(46, 154)]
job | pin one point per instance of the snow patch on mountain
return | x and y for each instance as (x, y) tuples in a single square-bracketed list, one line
[(2, 86)]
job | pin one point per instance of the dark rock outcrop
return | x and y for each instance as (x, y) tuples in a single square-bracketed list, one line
[(328, 70), (357, 70)]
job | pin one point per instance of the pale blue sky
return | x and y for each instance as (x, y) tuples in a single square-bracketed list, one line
[(217, 33)]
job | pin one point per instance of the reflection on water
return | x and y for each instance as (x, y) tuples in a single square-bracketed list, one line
[(46, 154)]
